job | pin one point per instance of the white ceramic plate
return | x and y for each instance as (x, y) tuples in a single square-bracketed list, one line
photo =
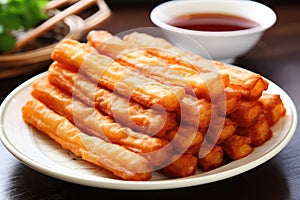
[(42, 154)]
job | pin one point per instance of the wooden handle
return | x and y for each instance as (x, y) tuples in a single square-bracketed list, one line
[(79, 6), (99, 17)]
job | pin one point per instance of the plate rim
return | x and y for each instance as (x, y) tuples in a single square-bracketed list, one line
[(109, 183)]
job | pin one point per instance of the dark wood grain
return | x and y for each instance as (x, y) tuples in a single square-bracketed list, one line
[(277, 57)]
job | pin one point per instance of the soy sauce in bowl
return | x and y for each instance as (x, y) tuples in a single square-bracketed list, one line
[(221, 44), (212, 22)]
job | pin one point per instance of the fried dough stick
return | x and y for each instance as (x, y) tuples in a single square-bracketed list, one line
[(251, 84), (273, 107), (185, 139), (114, 76), (237, 147), (196, 62), (91, 121), (195, 112), (154, 61), (134, 141), (203, 84), (130, 114), (199, 112), (213, 159), (219, 135), (114, 158), (259, 132), (247, 113), (187, 164)]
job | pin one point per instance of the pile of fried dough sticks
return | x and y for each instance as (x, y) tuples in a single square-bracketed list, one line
[(138, 104)]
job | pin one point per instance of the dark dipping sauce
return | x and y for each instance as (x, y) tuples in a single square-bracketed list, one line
[(212, 22)]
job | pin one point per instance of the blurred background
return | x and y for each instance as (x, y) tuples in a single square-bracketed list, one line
[(275, 57), (144, 2)]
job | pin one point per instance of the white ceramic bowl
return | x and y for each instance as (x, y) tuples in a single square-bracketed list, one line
[(223, 46)]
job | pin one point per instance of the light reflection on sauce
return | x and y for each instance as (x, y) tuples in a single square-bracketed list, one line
[(213, 22)]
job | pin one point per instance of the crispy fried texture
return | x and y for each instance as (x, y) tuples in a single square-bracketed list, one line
[(259, 132), (92, 121), (144, 84), (185, 139), (129, 113), (233, 96), (237, 147), (185, 165), (247, 113), (177, 55), (114, 158), (163, 69), (213, 159), (274, 107), (251, 84), (203, 85), (116, 77), (195, 112), (219, 135), (105, 43)]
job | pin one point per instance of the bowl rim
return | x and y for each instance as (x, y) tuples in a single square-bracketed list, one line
[(154, 16)]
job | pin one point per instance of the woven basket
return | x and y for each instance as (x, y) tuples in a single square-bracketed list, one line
[(62, 24)]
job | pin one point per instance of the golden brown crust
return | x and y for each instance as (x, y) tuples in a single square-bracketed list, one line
[(213, 159), (183, 166), (274, 107), (115, 76), (93, 92), (195, 112), (92, 121), (259, 132), (251, 84), (246, 113), (159, 65), (129, 113), (237, 147), (92, 149), (185, 139)]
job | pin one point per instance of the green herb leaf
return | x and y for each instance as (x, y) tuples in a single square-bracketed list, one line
[(7, 42), (19, 14)]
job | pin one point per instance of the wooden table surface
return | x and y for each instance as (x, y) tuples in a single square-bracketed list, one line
[(277, 57)]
